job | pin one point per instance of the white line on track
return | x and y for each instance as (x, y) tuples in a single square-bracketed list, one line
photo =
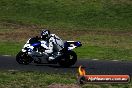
[(95, 59), (115, 60), (109, 60), (12, 70), (6, 55)]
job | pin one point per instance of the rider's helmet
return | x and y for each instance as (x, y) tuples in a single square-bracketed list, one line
[(45, 34)]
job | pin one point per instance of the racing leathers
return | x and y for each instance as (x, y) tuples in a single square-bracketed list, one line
[(51, 45)]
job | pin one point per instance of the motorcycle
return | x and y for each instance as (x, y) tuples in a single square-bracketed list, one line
[(33, 51)]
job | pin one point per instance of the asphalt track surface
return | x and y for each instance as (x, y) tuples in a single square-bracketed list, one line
[(91, 66)]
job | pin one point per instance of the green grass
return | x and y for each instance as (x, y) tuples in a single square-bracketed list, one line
[(18, 79), (14, 79), (68, 14), (113, 16), (106, 46), (106, 53), (10, 48)]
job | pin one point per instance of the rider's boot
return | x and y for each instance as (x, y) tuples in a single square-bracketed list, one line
[(52, 59), (53, 56)]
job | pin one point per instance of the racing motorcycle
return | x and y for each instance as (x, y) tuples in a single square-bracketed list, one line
[(34, 52)]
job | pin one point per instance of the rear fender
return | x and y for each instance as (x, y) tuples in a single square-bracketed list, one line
[(72, 44)]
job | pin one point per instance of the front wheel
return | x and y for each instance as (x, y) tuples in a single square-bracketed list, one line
[(23, 58), (68, 59)]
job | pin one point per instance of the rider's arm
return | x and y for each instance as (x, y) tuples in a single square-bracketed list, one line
[(49, 48)]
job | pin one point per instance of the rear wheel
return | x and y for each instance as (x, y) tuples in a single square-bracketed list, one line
[(68, 59), (23, 58), (38, 61)]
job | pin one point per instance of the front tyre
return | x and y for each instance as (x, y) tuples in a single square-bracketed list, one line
[(23, 58), (68, 59)]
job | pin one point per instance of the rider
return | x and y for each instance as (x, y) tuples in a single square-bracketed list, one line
[(52, 43)]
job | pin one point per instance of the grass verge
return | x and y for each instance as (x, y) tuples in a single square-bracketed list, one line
[(70, 14), (17, 79), (10, 48)]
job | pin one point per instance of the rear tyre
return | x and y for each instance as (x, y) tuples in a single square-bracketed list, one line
[(38, 61), (23, 58), (68, 59)]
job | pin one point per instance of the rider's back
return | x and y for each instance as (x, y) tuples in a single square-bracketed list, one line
[(58, 43)]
